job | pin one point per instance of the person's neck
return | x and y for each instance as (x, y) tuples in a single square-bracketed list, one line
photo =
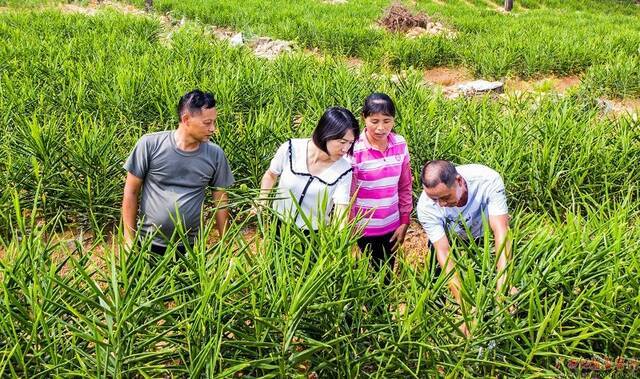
[(465, 195), (315, 155), (380, 146), (185, 142)]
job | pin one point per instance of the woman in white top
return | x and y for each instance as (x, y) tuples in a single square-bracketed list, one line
[(314, 172)]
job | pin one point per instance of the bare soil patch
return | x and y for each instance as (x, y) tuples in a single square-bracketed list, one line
[(73, 8), (415, 244), (69, 242), (233, 37), (353, 62), (124, 8), (551, 83), (447, 76), (399, 19), (414, 248), (620, 107), (265, 47), (94, 6), (456, 79), (473, 88), (66, 243)]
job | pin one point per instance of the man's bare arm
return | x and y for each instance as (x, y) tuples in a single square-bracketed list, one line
[(443, 253), (132, 188), (443, 248), (500, 227), (221, 201)]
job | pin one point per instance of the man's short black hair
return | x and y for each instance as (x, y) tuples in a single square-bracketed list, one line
[(195, 101), (334, 124), (438, 171)]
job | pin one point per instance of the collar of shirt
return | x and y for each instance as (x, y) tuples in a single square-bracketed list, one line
[(363, 137), (329, 175), (391, 139)]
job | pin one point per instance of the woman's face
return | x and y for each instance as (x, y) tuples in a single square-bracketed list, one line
[(378, 127), (338, 148)]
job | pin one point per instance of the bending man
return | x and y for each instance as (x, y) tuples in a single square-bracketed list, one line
[(456, 198)]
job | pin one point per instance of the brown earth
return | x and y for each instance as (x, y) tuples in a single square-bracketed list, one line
[(73, 8), (629, 103), (93, 6), (265, 47), (415, 244), (447, 76), (615, 108), (413, 249), (65, 245), (451, 77), (554, 83), (399, 19), (354, 62)]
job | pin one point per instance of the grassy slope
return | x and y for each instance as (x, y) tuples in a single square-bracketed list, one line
[(539, 38)]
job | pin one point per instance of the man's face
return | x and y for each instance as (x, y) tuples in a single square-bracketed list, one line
[(446, 196), (201, 125)]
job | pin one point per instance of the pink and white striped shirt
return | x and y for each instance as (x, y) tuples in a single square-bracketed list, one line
[(382, 180)]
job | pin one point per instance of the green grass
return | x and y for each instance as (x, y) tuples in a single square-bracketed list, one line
[(618, 78), (76, 92), (224, 310)]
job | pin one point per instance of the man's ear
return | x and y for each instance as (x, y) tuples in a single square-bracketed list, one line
[(184, 118)]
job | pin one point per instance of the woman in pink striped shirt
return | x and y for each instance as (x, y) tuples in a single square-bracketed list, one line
[(381, 181)]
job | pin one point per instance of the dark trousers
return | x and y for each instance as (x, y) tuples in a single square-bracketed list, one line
[(381, 249), (161, 250), (157, 252)]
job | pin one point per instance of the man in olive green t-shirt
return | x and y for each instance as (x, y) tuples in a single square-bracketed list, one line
[(170, 172)]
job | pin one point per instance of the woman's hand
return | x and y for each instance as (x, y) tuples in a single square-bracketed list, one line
[(268, 181), (398, 236)]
